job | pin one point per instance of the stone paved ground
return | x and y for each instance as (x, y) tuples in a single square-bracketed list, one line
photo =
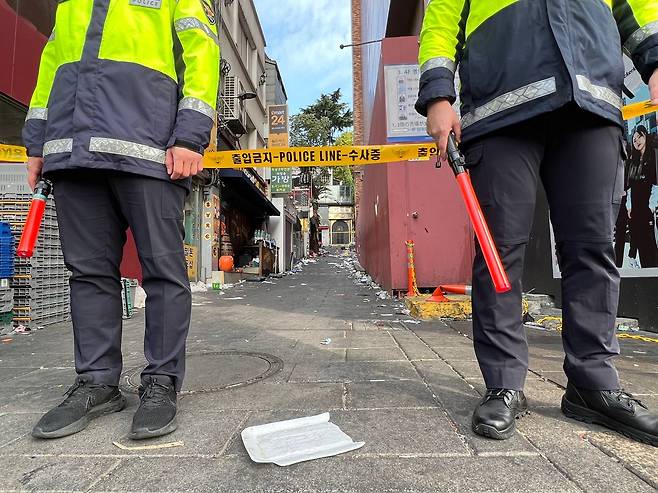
[(406, 389)]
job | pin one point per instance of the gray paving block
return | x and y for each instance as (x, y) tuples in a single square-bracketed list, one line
[(365, 340), (467, 369), (380, 354), (464, 353), (53, 473), (43, 377), (459, 399), (266, 396), (345, 474), (392, 433), (202, 432), (352, 371), (21, 399), (401, 431), (641, 459), (8, 374), (563, 442), (557, 377), (414, 348), (442, 338), (323, 353), (13, 427), (409, 393)]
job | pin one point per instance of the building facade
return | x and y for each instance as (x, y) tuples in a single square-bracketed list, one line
[(412, 201), (225, 208)]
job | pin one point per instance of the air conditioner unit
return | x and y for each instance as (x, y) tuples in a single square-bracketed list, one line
[(232, 109)]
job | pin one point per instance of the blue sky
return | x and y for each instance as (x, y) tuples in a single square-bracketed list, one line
[(303, 36)]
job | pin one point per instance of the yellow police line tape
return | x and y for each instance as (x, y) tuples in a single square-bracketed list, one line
[(291, 157), (296, 157)]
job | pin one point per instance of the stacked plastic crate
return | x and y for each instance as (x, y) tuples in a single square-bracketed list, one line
[(40, 283), (7, 252)]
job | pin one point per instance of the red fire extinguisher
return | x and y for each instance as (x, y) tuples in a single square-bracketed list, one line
[(487, 244), (34, 217)]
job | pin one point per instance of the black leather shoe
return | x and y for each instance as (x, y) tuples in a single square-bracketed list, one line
[(495, 416), (614, 409), (84, 402), (156, 415)]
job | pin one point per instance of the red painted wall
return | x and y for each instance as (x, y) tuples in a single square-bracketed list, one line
[(443, 237), (130, 266), (21, 44)]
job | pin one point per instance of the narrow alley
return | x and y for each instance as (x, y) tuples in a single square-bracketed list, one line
[(312, 342)]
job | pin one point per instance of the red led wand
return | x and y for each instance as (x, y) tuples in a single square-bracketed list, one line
[(487, 244), (34, 217)]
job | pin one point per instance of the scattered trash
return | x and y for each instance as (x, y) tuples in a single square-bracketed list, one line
[(235, 298), (198, 287), (382, 295), (21, 329), (326, 342), (415, 322), (149, 447), (297, 440), (6, 340), (387, 314)]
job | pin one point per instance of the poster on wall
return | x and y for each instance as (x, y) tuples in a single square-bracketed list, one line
[(636, 228), (636, 232), (403, 123)]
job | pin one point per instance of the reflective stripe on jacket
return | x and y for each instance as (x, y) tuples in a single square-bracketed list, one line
[(521, 58), (120, 81)]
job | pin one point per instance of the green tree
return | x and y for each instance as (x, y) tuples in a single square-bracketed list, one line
[(345, 174), (336, 111), (308, 131), (318, 125)]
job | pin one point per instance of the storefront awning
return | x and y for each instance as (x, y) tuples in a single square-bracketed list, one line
[(247, 195)]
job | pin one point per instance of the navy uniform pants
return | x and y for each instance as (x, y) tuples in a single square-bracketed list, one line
[(578, 157), (94, 210)]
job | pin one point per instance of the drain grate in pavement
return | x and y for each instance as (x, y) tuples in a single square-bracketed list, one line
[(214, 371)]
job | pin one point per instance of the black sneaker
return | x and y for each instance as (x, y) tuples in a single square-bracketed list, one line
[(495, 416), (614, 409), (156, 415), (84, 402)]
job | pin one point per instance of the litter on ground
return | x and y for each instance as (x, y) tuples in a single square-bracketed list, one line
[(297, 440)]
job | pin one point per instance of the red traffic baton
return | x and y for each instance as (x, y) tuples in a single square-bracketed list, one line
[(487, 244), (34, 218)]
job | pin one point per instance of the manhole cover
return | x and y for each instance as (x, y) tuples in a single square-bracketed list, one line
[(213, 371)]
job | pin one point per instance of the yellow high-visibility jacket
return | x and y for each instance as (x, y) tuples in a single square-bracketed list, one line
[(120, 81), (520, 58)]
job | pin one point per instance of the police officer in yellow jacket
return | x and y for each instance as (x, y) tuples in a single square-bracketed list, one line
[(541, 85), (121, 114)]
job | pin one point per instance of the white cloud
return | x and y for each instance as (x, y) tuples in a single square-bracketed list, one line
[(304, 37)]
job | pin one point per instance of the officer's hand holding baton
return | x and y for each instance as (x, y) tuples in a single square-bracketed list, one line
[(441, 120)]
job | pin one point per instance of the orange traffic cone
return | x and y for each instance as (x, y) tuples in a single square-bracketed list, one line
[(437, 296), (456, 289)]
